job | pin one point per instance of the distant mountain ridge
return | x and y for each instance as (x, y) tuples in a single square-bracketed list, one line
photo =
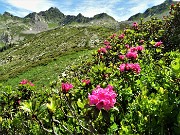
[(157, 11), (53, 14), (20, 28)]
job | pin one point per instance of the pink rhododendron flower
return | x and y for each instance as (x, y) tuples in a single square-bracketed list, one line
[(122, 67), (106, 42), (18, 101), (102, 50), (93, 99), (130, 67), (127, 46), (139, 48), (121, 57), (133, 49), (135, 24), (121, 36), (66, 87), (24, 82), (31, 84), (87, 82), (141, 41), (132, 55), (108, 47), (136, 68), (157, 44), (172, 6), (103, 97)]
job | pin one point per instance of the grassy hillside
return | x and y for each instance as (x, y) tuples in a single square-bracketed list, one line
[(42, 75), (47, 46)]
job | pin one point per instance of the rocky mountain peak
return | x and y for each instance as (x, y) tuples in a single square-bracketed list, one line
[(53, 9), (103, 16), (7, 14), (80, 15)]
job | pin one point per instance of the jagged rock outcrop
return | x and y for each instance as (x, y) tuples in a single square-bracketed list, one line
[(6, 37), (50, 15), (38, 22)]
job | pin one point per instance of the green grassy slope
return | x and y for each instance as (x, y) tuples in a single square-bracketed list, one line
[(48, 46), (42, 75)]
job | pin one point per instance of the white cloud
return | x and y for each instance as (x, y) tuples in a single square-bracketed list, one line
[(31, 5), (89, 8), (23, 7)]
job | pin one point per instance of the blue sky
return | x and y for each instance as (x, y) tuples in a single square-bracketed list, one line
[(119, 9)]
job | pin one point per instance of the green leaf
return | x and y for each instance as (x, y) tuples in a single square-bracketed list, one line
[(152, 42), (158, 50), (51, 106), (175, 64), (26, 106), (114, 127), (116, 109), (80, 104)]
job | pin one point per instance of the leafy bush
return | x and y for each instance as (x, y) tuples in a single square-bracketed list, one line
[(131, 86)]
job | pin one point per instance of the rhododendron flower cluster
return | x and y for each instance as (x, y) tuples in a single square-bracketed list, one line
[(106, 42), (108, 47), (121, 57), (132, 55), (87, 82), (127, 46), (130, 67), (103, 97), (135, 24), (133, 49), (121, 36), (102, 50), (66, 87), (137, 48), (24, 82), (157, 44)]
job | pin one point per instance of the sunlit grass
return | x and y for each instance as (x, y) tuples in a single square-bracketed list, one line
[(44, 74)]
